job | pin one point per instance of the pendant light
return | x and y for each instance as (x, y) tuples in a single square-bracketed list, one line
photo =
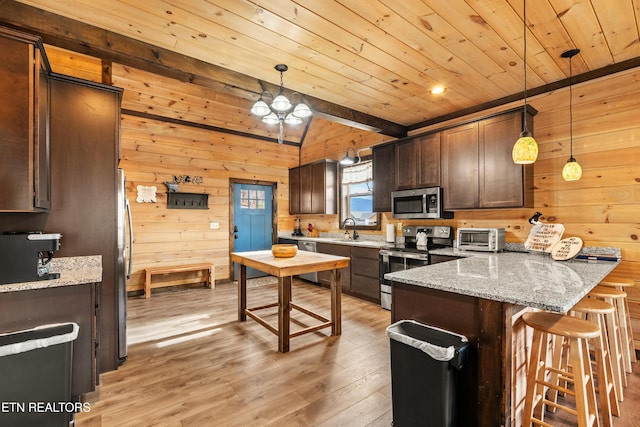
[(525, 150), (571, 170)]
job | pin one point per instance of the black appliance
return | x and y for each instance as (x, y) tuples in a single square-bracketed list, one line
[(24, 257), (297, 231), (414, 252)]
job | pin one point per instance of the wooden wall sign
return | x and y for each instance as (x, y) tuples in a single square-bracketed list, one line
[(566, 248), (543, 237)]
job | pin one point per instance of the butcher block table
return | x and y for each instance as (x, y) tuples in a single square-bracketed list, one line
[(283, 269)]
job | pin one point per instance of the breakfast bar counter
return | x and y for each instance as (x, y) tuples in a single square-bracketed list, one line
[(482, 296), (283, 269)]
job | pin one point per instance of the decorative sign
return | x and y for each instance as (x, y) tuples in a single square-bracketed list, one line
[(543, 237), (566, 248), (146, 194)]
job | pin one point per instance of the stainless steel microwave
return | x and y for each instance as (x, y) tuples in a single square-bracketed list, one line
[(418, 204), (481, 239)]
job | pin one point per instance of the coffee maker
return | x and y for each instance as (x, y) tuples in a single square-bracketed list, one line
[(24, 257), (297, 231)]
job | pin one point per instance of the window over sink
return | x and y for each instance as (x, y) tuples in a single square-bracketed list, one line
[(356, 196)]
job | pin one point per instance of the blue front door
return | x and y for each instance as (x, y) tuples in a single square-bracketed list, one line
[(253, 219)]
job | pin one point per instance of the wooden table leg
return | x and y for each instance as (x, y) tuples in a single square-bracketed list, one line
[(242, 292), (284, 314), (336, 303), (147, 285)]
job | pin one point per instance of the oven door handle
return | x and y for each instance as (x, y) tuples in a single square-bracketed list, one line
[(398, 254)]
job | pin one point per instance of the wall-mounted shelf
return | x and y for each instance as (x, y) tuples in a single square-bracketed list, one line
[(187, 201)]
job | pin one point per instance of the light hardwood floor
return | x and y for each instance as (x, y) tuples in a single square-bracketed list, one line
[(192, 364)]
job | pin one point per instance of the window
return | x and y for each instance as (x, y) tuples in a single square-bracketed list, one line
[(356, 196), (252, 199)]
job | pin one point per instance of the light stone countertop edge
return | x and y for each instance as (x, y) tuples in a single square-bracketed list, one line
[(73, 271)]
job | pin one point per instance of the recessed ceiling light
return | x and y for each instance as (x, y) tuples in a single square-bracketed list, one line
[(437, 90)]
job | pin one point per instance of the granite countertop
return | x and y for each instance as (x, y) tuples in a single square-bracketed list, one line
[(339, 240), (529, 279), (73, 271)]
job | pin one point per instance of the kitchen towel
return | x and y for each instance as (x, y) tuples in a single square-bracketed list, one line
[(391, 233)]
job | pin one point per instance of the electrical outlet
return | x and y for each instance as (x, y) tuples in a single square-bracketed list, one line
[(214, 225), (399, 226)]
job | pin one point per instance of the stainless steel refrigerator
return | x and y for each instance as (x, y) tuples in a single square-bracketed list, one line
[(125, 241)]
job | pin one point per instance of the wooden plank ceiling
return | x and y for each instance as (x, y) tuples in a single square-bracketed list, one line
[(373, 62)]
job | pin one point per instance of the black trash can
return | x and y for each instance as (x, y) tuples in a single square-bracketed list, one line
[(424, 365), (35, 376)]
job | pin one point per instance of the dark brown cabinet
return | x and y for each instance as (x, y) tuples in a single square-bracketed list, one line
[(383, 177), (365, 280), (460, 167), (361, 278), (324, 277), (417, 162), (502, 183), (31, 308), (85, 136), (24, 124), (84, 122), (313, 188), (477, 168)]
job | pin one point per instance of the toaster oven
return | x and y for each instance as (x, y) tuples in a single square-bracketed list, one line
[(481, 239)]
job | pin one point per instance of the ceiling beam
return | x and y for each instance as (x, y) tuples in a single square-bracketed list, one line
[(76, 36)]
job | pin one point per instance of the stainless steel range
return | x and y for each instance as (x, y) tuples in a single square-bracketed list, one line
[(418, 240)]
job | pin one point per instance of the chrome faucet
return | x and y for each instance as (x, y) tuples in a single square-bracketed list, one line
[(355, 232)]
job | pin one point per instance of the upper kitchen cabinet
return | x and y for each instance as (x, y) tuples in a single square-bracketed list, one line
[(383, 177), (24, 124), (460, 167), (313, 188), (477, 168), (502, 183), (417, 162)]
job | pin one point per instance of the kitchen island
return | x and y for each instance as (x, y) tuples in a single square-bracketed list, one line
[(283, 269), (482, 296)]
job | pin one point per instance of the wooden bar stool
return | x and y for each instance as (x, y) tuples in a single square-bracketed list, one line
[(617, 298), (622, 283), (577, 332), (597, 311)]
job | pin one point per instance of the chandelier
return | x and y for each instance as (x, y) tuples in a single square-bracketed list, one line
[(281, 110)]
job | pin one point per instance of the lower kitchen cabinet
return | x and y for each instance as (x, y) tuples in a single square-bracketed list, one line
[(28, 309), (324, 277), (361, 278), (633, 298), (365, 281)]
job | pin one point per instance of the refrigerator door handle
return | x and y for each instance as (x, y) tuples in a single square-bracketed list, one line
[(128, 207)]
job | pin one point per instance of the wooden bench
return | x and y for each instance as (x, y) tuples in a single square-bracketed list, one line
[(168, 269)]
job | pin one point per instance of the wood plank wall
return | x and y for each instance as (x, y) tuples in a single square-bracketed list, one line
[(602, 208)]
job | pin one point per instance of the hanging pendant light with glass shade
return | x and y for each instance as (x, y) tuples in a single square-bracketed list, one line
[(571, 170), (525, 150), (281, 110)]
